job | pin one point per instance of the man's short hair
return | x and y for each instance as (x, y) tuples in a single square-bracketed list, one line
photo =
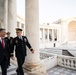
[(8, 33), (1, 29)]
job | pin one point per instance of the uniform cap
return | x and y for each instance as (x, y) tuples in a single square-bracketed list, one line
[(18, 30)]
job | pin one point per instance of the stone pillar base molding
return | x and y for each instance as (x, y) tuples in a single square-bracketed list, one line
[(34, 69)]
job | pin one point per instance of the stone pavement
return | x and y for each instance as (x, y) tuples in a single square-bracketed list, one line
[(61, 71), (11, 70), (53, 71)]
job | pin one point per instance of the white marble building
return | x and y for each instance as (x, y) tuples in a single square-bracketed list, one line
[(51, 34), (55, 34), (60, 32), (21, 23)]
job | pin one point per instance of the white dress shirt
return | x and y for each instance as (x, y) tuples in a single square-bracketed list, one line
[(1, 41)]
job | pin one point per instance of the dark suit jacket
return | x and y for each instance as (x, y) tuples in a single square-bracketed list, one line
[(3, 52), (9, 43), (20, 46)]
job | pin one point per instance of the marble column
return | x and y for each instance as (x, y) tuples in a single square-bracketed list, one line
[(53, 35), (32, 61), (6, 15), (57, 34), (43, 35), (48, 35), (12, 17)]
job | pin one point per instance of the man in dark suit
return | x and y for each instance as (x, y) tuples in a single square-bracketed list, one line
[(9, 40), (3, 52), (20, 42)]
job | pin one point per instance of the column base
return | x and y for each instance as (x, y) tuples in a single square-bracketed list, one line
[(34, 69)]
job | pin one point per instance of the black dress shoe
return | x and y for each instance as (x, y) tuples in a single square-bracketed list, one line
[(9, 65), (18, 73)]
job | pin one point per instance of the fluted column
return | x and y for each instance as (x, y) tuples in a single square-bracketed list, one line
[(32, 27), (43, 35), (48, 36), (12, 16), (32, 61), (53, 35), (5, 15)]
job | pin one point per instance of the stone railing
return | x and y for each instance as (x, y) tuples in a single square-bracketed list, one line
[(67, 61), (45, 55), (51, 60), (48, 59)]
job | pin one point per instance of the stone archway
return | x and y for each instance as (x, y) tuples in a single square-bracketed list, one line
[(72, 31)]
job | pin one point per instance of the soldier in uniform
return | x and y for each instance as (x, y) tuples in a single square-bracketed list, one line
[(9, 40), (20, 42)]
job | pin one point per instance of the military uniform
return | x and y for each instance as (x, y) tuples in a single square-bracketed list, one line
[(20, 44), (9, 44)]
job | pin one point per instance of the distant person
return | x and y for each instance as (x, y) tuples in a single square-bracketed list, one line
[(3, 52), (20, 42), (9, 40)]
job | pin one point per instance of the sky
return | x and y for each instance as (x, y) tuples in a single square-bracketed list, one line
[(51, 10)]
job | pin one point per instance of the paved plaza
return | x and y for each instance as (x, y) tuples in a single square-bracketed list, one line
[(11, 70), (53, 71), (61, 71)]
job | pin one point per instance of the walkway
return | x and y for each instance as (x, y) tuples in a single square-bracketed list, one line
[(53, 71), (61, 71), (11, 70)]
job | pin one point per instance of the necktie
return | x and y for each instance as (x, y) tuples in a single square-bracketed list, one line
[(2, 42), (21, 38)]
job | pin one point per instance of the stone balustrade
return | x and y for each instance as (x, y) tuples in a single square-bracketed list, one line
[(48, 59), (51, 60), (45, 55), (67, 61)]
